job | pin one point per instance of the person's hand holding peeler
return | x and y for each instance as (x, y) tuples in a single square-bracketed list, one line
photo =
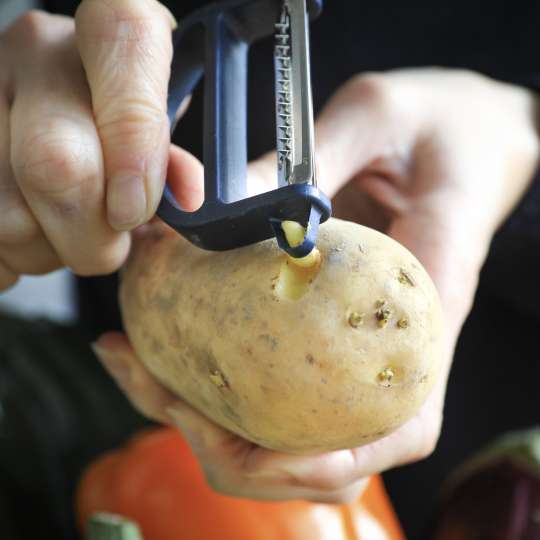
[(84, 135)]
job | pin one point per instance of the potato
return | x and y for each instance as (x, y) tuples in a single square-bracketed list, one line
[(299, 360)]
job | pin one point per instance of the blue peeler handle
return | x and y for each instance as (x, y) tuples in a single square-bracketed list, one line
[(214, 42)]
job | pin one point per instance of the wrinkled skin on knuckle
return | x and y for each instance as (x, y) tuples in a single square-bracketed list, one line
[(115, 20), (139, 129), (52, 163), (130, 27), (137, 49)]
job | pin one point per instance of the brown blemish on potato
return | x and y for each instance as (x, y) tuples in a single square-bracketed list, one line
[(156, 347), (197, 304), (270, 340), (310, 359), (174, 336), (383, 315), (219, 379), (403, 323), (356, 319), (405, 278), (385, 377)]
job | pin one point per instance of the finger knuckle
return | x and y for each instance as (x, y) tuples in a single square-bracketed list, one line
[(135, 118), (122, 21), (138, 122), (369, 86), (373, 90), (34, 27), (31, 25), (53, 163), (17, 225)]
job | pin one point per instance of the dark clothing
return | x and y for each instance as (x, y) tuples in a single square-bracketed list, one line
[(493, 383)]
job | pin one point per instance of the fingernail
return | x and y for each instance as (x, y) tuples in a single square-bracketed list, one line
[(126, 201), (181, 420), (117, 368)]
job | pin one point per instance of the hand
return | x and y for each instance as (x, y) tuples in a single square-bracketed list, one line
[(435, 158), (84, 136)]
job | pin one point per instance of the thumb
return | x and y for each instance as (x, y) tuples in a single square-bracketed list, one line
[(126, 51)]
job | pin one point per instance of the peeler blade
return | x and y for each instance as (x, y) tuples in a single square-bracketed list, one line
[(294, 103)]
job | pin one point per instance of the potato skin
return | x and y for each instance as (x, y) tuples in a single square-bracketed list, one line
[(289, 375)]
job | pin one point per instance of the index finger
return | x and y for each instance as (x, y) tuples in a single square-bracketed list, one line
[(126, 50)]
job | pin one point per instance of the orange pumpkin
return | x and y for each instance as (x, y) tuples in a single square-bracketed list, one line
[(157, 482)]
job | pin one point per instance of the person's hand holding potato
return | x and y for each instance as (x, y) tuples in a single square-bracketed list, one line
[(434, 158)]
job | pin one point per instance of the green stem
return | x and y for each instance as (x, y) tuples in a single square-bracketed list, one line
[(104, 526)]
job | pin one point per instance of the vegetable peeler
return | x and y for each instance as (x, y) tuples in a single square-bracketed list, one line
[(214, 42)]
